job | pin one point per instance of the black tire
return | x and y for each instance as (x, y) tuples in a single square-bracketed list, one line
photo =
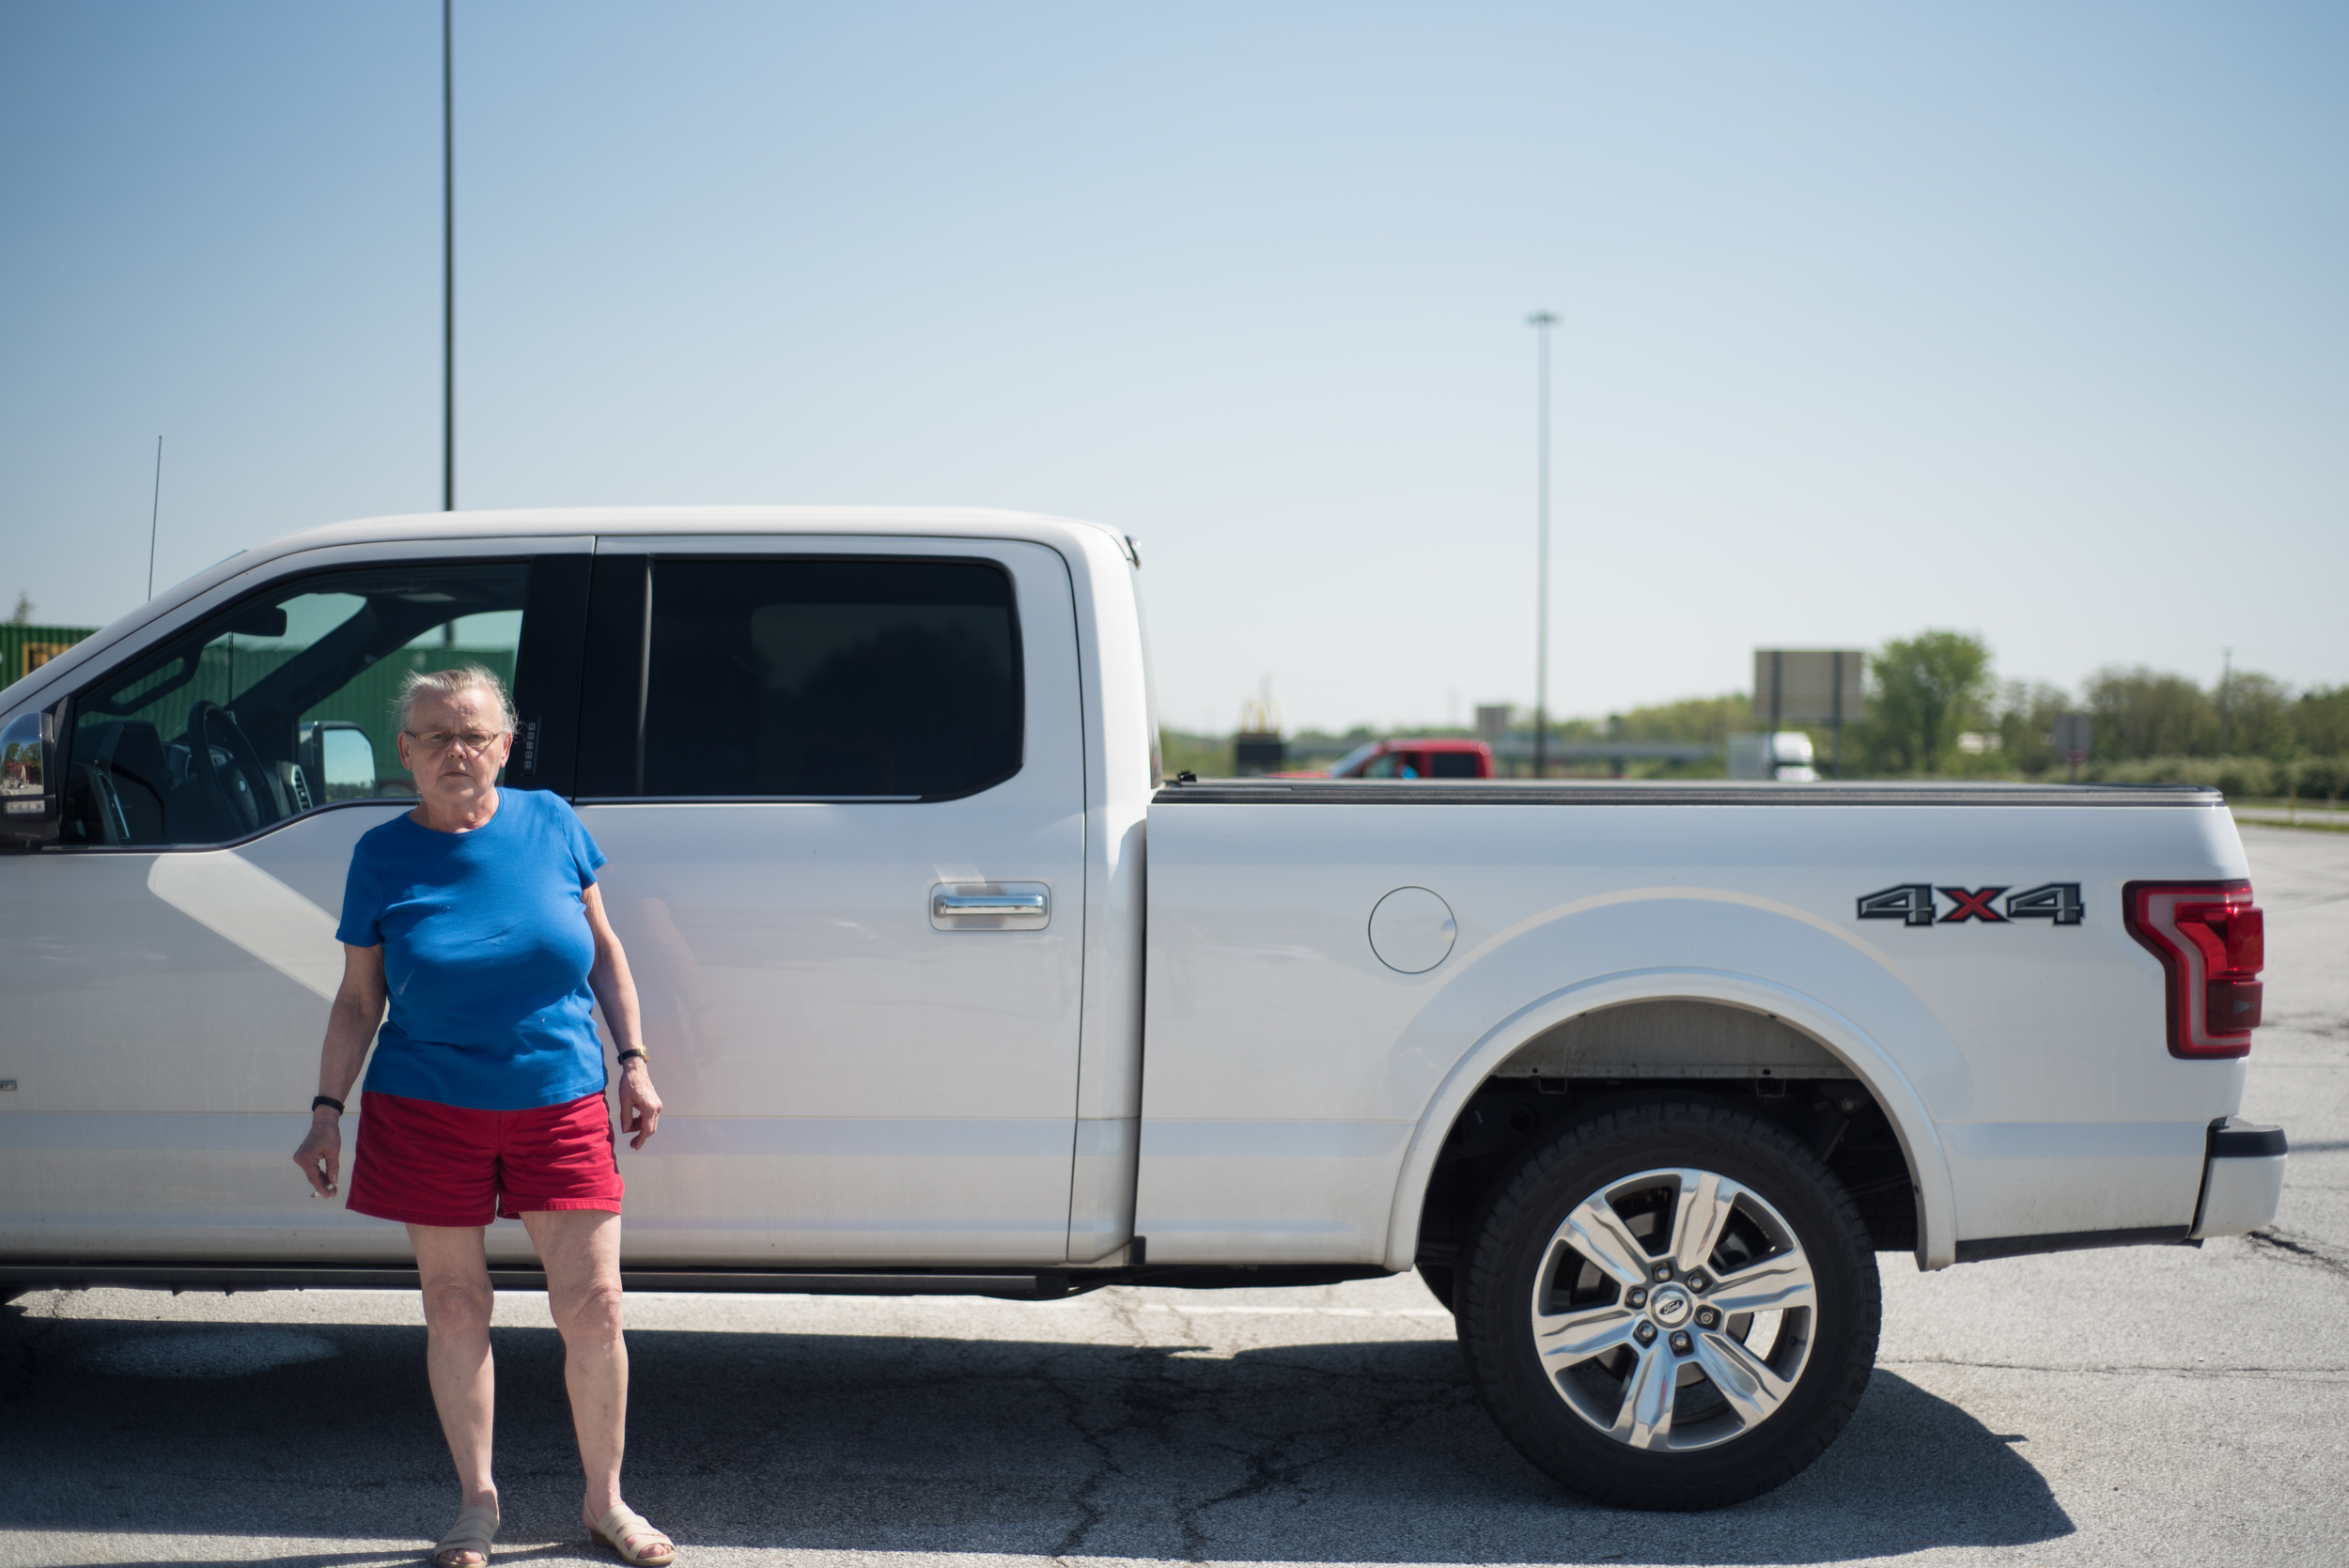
[(1438, 1278), (14, 1356), (1725, 1431)]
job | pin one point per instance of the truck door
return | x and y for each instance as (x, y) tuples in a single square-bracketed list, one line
[(841, 783), (169, 961)]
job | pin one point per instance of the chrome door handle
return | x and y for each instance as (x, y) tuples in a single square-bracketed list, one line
[(991, 905)]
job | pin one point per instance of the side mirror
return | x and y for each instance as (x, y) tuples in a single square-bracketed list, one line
[(347, 763), (29, 782), (339, 759)]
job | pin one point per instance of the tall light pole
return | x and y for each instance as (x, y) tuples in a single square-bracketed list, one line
[(2226, 704), (1541, 322), (448, 266)]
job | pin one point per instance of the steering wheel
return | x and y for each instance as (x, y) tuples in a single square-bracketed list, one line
[(239, 793)]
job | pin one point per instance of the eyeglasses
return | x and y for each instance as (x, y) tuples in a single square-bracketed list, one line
[(475, 741)]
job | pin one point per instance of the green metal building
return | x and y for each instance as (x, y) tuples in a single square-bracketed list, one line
[(26, 648)]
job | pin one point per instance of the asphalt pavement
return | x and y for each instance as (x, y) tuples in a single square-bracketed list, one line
[(2148, 1405)]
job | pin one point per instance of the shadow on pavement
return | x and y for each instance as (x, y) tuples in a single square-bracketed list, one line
[(1344, 1452)]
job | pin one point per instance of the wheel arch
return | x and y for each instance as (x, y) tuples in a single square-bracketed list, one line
[(1848, 1041)]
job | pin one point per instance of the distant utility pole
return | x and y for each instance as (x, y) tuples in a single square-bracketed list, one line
[(2226, 702), (448, 266), (155, 517), (1541, 322)]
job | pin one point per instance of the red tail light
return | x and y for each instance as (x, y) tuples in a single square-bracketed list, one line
[(2212, 941)]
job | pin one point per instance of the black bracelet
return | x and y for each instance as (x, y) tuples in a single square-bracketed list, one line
[(327, 1099), (636, 1052)]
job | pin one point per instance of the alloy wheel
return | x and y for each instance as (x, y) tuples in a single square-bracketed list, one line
[(1674, 1309)]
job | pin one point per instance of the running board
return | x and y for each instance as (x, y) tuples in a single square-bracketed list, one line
[(1041, 1285)]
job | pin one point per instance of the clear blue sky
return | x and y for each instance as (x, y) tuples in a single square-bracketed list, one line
[(2027, 319)]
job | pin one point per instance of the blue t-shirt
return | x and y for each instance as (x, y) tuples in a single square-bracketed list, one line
[(485, 953)]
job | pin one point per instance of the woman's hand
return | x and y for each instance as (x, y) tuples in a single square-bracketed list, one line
[(320, 1155), (616, 993), (350, 1027), (640, 1103)]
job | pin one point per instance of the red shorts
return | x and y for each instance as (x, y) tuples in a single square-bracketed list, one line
[(430, 1164)]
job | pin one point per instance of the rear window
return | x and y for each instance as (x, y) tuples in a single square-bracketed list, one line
[(828, 678)]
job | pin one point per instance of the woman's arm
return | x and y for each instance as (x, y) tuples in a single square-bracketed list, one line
[(616, 993), (350, 1027)]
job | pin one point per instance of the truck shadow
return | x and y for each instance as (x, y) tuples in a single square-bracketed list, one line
[(796, 1445)]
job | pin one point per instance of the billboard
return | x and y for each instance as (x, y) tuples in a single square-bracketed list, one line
[(1821, 685)]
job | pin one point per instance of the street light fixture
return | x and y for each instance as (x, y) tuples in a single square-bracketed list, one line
[(1541, 322)]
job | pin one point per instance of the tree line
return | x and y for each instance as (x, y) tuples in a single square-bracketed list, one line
[(1936, 706), (1937, 709)]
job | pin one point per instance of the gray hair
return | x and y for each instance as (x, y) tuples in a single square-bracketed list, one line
[(448, 683)]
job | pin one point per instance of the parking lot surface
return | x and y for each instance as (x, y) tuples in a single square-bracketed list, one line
[(2148, 1405)]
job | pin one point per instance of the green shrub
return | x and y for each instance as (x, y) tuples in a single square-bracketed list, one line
[(2320, 778), (2240, 777), (2236, 776)]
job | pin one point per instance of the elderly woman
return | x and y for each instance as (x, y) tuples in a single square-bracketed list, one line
[(477, 914)]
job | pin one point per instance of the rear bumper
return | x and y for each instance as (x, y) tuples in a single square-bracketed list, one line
[(2243, 1181), (2243, 1178)]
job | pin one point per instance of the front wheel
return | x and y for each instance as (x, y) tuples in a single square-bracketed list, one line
[(1671, 1305)]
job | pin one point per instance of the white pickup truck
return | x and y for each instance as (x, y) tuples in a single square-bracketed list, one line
[(951, 991)]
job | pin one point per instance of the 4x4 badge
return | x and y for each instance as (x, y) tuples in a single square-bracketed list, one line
[(1973, 906), (1911, 904), (2059, 902)]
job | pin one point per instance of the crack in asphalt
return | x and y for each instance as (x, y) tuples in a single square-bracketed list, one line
[(1148, 1397), (1286, 1461), (2299, 1249), (2279, 1374), (1154, 1403), (1086, 1499)]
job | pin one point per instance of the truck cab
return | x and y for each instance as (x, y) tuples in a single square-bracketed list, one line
[(1413, 757)]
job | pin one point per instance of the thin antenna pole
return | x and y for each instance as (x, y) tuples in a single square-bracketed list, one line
[(155, 517), (2226, 704), (448, 265), (1541, 322)]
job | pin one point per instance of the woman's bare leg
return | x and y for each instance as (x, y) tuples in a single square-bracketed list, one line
[(456, 1306), (580, 1251)]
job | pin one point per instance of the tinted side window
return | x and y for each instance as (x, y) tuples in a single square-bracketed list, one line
[(832, 678), (276, 706)]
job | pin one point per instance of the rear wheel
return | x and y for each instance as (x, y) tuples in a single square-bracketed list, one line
[(1671, 1305), (1438, 1278)]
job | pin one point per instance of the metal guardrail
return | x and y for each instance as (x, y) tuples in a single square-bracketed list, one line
[(1558, 751), (1609, 751)]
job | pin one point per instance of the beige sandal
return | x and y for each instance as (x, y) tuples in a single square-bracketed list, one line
[(615, 1527), (472, 1532)]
